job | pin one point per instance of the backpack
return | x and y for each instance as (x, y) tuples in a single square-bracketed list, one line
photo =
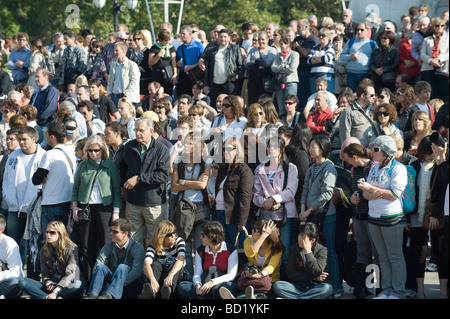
[(409, 195), (350, 43)]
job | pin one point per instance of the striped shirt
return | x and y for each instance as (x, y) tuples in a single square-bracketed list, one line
[(328, 56), (178, 249)]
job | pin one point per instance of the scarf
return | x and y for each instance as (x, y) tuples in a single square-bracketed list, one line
[(424, 188), (436, 51), (166, 47)]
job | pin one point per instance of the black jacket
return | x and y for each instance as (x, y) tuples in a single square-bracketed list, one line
[(387, 59), (233, 63), (153, 173)]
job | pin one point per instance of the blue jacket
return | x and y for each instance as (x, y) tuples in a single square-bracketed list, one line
[(15, 56)]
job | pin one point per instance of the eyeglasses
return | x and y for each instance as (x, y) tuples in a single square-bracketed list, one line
[(383, 113), (376, 149), (50, 232), (140, 131), (226, 105), (95, 150), (171, 234)]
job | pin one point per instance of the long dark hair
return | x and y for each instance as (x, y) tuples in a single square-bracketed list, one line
[(274, 239), (301, 137)]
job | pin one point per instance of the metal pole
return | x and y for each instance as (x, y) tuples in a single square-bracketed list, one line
[(166, 10), (116, 10), (150, 19), (179, 16)]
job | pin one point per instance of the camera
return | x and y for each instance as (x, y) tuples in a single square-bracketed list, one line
[(253, 270), (437, 139)]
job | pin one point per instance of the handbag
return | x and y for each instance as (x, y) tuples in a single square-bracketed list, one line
[(194, 74), (260, 285), (429, 210), (85, 214), (271, 84), (443, 70), (277, 213)]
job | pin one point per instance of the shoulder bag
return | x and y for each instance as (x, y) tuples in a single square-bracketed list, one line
[(85, 214)]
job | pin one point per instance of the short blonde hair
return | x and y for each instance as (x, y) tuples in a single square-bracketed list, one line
[(96, 139)]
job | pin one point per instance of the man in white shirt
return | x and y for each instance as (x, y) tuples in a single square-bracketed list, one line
[(55, 173), (321, 86), (10, 264), (93, 124), (18, 190)]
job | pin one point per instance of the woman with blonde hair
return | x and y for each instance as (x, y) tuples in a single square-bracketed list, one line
[(421, 127), (141, 58), (256, 119), (59, 266), (96, 199), (127, 117), (164, 261), (37, 60)]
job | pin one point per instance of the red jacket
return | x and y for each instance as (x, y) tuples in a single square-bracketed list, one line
[(404, 51), (316, 121)]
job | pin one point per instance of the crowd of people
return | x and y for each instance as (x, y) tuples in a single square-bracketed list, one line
[(267, 163)]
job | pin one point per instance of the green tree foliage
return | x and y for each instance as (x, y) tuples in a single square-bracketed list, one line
[(41, 18)]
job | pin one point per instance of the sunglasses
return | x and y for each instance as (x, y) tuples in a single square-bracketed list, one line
[(136, 39), (115, 232), (50, 232), (376, 149), (383, 113), (226, 105), (322, 35), (258, 113), (96, 150), (362, 30), (192, 114), (439, 25), (170, 234), (398, 93), (384, 38), (382, 97), (159, 106), (370, 95), (288, 103)]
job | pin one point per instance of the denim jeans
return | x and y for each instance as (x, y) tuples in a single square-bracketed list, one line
[(231, 230), (388, 242), (288, 290), (9, 288), (103, 275), (37, 290), (303, 90), (15, 224), (58, 212), (329, 230), (186, 290), (353, 79), (280, 95)]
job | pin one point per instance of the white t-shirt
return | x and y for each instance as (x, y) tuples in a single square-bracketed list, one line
[(59, 185), (220, 72)]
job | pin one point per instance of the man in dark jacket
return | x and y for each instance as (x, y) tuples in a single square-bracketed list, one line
[(144, 172), (223, 67), (45, 98)]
